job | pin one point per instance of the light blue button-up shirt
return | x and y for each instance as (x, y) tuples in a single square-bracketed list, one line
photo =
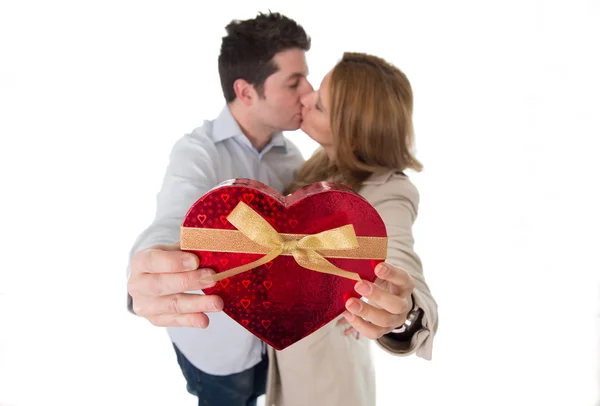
[(199, 161)]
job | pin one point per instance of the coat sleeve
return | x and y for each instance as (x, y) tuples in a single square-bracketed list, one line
[(397, 203)]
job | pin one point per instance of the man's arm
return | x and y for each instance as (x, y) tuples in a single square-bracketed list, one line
[(190, 174), (159, 272)]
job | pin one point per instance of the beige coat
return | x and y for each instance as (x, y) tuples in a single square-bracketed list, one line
[(328, 368)]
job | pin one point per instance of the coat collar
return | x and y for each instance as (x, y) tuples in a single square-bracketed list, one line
[(381, 176)]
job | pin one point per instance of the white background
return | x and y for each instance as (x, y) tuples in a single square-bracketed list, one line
[(94, 94)]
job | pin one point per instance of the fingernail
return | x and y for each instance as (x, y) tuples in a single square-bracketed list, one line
[(190, 262), (382, 270), (217, 304), (199, 322), (353, 306), (205, 275), (364, 288)]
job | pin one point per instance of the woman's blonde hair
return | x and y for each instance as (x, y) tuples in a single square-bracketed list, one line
[(371, 124)]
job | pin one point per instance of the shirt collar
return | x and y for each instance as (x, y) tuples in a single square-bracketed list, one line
[(226, 127)]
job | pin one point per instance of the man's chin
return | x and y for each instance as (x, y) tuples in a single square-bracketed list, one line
[(293, 126)]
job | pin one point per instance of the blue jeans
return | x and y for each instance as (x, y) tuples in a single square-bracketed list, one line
[(241, 389)]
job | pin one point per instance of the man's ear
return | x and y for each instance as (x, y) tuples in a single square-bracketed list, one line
[(244, 91)]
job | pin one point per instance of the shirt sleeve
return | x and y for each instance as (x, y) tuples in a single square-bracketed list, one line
[(191, 173)]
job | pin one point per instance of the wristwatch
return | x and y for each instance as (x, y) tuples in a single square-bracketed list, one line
[(412, 316), (130, 304)]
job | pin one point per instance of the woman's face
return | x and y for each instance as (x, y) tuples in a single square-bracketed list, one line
[(315, 115)]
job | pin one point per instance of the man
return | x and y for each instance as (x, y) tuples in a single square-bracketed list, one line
[(263, 74)]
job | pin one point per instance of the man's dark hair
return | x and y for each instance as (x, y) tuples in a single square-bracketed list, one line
[(248, 49)]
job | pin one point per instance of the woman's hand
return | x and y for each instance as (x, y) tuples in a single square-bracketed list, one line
[(389, 299)]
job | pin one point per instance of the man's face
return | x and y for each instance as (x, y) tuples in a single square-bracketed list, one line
[(281, 109)]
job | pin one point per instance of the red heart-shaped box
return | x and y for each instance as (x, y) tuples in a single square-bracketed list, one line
[(281, 302)]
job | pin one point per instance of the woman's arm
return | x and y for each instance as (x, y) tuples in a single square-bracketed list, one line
[(397, 200)]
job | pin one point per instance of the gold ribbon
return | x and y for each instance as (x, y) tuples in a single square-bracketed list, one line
[(266, 239)]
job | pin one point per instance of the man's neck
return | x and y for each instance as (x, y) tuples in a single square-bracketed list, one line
[(258, 135)]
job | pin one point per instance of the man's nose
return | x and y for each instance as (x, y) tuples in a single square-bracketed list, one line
[(310, 88), (306, 89), (306, 98)]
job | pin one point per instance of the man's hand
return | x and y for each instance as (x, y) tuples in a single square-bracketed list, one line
[(389, 302), (159, 277)]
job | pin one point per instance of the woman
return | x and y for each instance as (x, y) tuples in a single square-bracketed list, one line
[(362, 118)]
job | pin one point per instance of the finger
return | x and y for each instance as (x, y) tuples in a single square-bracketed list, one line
[(396, 276), (177, 304), (379, 317), (341, 321), (365, 328), (176, 246), (163, 284), (158, 260), (350, 330), (199, 320), (395, 304)]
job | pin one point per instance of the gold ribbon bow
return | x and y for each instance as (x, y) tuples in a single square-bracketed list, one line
[(256, 228)]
